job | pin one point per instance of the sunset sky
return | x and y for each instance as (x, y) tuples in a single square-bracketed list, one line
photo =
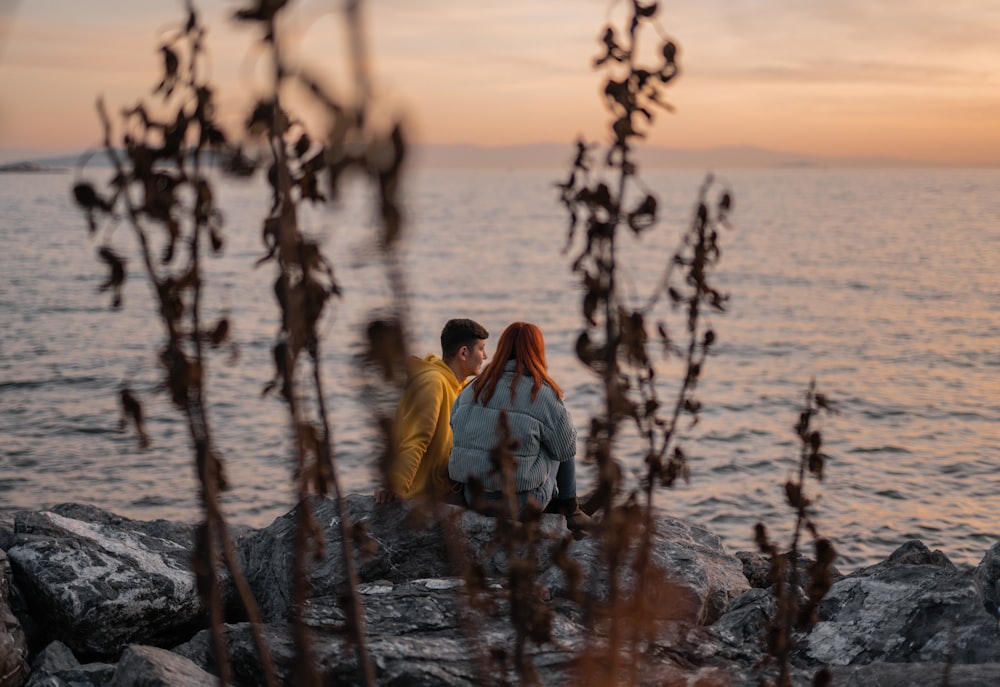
[(906, 78)]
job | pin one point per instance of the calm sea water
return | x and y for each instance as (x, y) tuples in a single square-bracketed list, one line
[(882, 285)]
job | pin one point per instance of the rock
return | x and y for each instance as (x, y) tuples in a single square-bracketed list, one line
[(407, 547), (13, 643), (909, 674), (757, 569), (913, 552), (419, 606), (6, 531), (743, 628), (147, 666), (242, 651), (698, 578), (422, 632), (703, 578), (987, 580), (56, 666), (98, 582), (915, 606), (411, 660), (104, 583), (409, 623), (56, 657)]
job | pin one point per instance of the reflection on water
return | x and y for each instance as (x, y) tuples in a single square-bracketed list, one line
[(877, 283)]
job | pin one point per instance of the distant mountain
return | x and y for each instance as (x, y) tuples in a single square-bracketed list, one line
[(560, 156)]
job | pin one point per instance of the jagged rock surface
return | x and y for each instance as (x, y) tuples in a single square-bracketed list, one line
[(99, 581), (422, 632), (702, 577), (916, 606), (912, 619), (699, 579)]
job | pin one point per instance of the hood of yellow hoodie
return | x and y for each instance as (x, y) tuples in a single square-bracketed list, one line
[(432, 364)]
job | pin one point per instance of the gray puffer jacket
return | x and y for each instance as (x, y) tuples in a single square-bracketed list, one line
[(543, 427)]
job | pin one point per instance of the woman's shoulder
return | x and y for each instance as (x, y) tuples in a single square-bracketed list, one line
[(548, 394)]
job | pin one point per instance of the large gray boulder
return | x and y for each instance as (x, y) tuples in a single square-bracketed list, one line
[(913, 619), (425, 632), (695, 578), (913, 607), (414, 629), (406, 546), (410, 545), (99, 582)]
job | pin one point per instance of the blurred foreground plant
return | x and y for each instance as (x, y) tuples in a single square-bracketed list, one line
[(794, 612), (159, 182), (616, 339), (168, 201)]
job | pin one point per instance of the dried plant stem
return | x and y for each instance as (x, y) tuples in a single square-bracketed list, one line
[(357, 612), (305, 665), (208, 469), (194, 415), (791, 613), (620, 355), (308, 534)]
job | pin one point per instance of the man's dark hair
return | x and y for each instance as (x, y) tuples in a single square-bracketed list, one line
[(458, 333)]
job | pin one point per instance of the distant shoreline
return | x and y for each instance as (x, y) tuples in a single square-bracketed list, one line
[(554, 156), (30, 168)]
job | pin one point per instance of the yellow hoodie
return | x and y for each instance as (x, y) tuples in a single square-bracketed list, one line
[(422, 430)]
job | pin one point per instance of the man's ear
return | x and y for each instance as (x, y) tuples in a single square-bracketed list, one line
[(463, 352)]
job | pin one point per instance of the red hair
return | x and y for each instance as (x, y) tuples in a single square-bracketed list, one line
[(521, 342)]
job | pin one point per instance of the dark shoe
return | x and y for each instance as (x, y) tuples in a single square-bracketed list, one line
[(592, 502), (576, 519)]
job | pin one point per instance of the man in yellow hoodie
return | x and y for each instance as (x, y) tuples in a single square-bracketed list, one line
[(422, 428)]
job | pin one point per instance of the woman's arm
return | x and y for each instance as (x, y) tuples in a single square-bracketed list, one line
[(558, 435)]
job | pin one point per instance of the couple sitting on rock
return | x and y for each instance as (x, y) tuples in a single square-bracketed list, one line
[(447, 431)]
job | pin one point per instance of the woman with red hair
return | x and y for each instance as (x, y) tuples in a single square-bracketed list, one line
[(515, 408)]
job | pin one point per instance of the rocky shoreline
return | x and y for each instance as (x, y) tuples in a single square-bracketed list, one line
[(89, 598)]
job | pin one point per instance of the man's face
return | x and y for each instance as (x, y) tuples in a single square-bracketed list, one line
[(473, 357)]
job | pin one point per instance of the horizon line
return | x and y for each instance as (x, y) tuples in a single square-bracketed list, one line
[(541, 154)]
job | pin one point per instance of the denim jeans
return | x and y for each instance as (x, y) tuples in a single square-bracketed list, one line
[(560, 483)]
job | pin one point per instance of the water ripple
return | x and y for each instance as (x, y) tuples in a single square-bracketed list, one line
[(820, 289)]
